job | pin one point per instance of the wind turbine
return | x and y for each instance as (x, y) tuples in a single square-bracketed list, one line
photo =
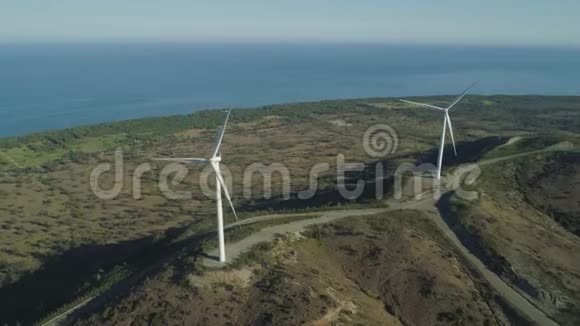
[(446, 120), (214, 162)]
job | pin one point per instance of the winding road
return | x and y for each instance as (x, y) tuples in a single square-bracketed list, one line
[(425, 203), (510, 295)]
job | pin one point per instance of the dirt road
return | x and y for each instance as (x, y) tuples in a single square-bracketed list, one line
[(427, 204)]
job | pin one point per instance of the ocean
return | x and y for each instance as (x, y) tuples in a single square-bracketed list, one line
[(45, 87)]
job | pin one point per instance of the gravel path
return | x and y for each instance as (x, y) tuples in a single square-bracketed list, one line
[(510, 295), (428, 205)]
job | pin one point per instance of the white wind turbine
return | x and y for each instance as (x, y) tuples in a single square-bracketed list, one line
[(214, 161), (446, 120)]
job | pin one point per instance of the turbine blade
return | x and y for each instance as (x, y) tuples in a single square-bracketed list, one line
[(424, 105), (220, 136), (224, 188), (451, 131), (460, 96), (183, 160)]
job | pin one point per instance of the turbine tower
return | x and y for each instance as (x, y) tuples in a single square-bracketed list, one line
[(446, 120), (214, 162)]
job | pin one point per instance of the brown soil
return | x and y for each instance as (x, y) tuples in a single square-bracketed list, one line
[(367, 271)]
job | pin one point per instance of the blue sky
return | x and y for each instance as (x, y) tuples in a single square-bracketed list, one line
[(501, 22)]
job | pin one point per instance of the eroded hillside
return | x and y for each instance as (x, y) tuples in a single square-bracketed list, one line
[(524, 227)]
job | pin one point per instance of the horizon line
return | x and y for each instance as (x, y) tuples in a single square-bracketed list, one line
[(285, 42), (195, 110)]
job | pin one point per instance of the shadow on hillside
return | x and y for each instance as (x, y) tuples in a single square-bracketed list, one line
[(70, 275), (64, 278), (472, 240), (467, 152), (330, 197)]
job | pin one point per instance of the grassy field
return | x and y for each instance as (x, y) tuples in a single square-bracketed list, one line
[(47, 209)]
